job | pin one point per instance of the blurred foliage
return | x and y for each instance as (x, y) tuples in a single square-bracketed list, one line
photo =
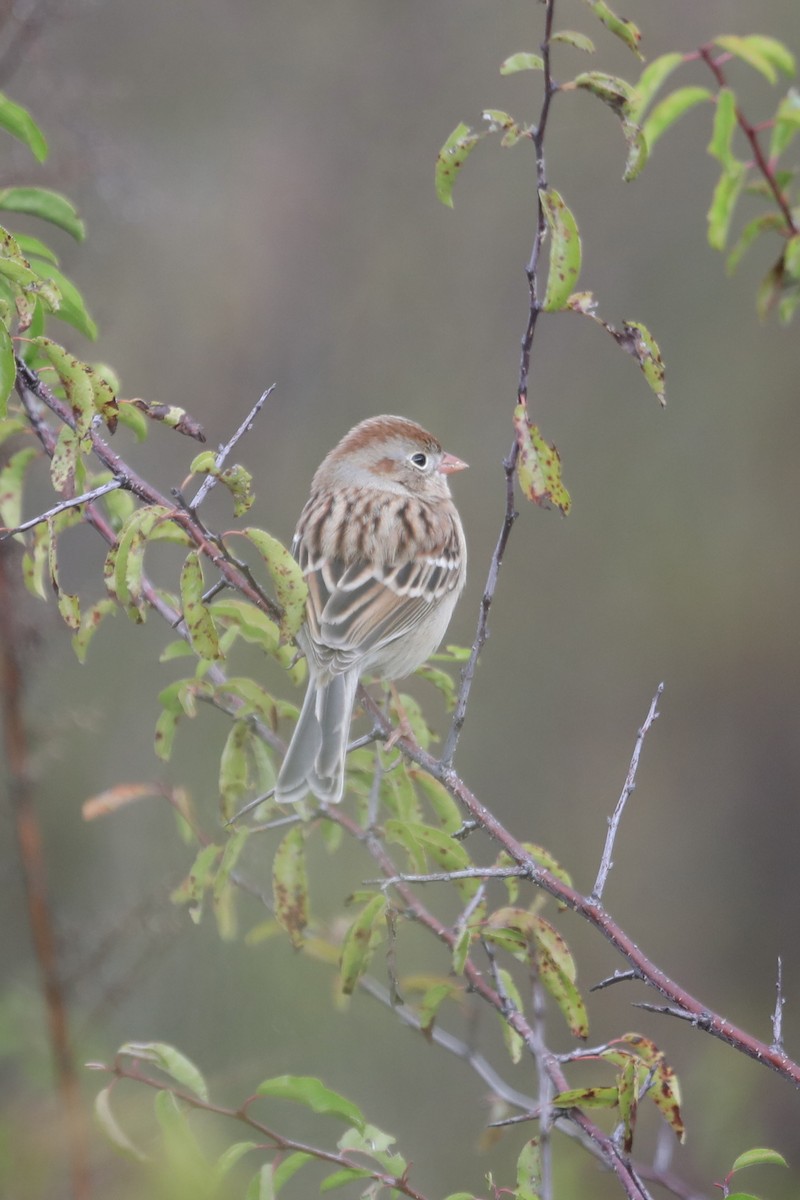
[(419, 818)]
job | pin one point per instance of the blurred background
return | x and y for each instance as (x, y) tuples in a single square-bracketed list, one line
[(257, 180)]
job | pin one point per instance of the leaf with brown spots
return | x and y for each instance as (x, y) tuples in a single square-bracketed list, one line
[(290, 885), (538, 465), (360, 941)]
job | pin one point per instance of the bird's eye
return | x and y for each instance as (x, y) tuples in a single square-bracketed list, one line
[(420, 460)]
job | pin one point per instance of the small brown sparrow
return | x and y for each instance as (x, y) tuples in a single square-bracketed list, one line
[(383, 552)]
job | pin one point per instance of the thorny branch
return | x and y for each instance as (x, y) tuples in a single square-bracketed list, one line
[(630, 783)]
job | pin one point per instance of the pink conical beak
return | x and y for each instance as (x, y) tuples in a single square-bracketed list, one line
[(450, 463)]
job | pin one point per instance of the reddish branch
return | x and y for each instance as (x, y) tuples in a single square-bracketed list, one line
[(715, 65), (34, 873)]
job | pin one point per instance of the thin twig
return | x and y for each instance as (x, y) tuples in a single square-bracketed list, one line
[(777, 1016), (224, 451), (448, 876), (617, 977), (630, 783), (85, 498), (510, 513)]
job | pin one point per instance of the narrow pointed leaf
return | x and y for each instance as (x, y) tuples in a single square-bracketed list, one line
[(578, 40), (49, 206), (753, 229), (312, 1093), (8, 369), (291, 589), (529, 1171), (724, 127), (538, 465), (621, 27), (587, 1097), (359, 942), (451, 158), (522, 62), (290, 885), (12, 478), (513, 1040), (638, 150), (613, 91), (21, 125), (787, 123), (199, 622), (762, 53), (671, 109), (759, 1157), (171, 1061), (113, 1130), (723, 202), (565, 250), (90, 622), (650, 81)]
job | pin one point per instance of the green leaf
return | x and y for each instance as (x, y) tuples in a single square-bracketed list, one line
[(587, 1097), (290, 885), (237, 479), (786, 124), (769, 290), (199, 622), (791, 257), (612, 90), (671, 109), (538, 465), (578, 40), (445, 808), (510, 993), (193, 888), (359, 942), (71, 306), (223, 896), (76, 378), (723, 202), (291, 590), (529, 1171), (171, 1062), (338, 1179), (565, 251), (289, 1166), (113, 1131), (21, 125), (724, 128), (764, 54), (621, 27), (33, 247), (758, 1157), (637, 340), (312, 1093), (451, 158), (522, 62), (638, 150), (35, 560), (49, 206), (432, 1002), (649, 82), (787, 305), (12, 477), (90, 621), (8, 369), (261, 1186)]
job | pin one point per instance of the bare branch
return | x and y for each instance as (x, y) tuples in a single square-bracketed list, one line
[(630, 783), (224, 451), (85, 498)]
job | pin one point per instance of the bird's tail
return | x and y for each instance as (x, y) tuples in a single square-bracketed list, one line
[(315, 759)]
